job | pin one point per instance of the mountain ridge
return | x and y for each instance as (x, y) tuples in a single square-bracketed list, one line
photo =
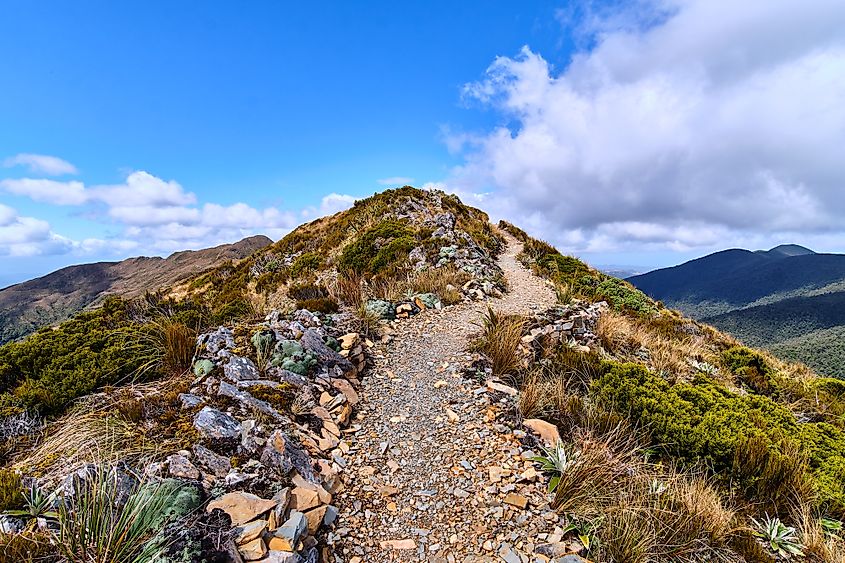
[(54, 297)]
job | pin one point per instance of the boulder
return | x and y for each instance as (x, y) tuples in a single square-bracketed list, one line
[(239, 368), (216, 425), (242, 507), (547, 431), (313, 342), (284, 455), (218, 465)]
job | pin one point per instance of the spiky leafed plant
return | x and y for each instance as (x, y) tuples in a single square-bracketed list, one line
[(782, 539), (37, 504), (557, 461), (97, 526)]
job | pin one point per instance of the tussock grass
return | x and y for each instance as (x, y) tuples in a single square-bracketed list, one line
[(96, 525), (444, 282), (88, 437), (165, 346), (500, 337), (633, 339)]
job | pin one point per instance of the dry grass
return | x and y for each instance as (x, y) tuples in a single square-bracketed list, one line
[(88, 437), (347, 289), (437, 280), (167, 346), (499, 340), (819, 545), (670, 353)]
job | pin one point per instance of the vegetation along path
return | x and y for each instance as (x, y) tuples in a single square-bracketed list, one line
[(437, 477)]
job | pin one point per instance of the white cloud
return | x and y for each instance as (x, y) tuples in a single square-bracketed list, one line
[(396, 181), (41, 164), (334, 202), (143, 189), (28, 236), (47, 191), (689, 123)]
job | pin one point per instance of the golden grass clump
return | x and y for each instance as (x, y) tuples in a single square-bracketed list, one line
[(88, 437), (444, 282), (500, 337)]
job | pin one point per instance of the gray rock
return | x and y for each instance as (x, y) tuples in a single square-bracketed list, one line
[(246, 399), (284, 455), (10, 524), (313, 342), (293, 528), (281, 557), (216, 424), (181, 466), (239, 368), (218, 342), (215, 464), (190, 400)]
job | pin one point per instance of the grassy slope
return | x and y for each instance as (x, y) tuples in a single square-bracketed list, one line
[(769, 432)]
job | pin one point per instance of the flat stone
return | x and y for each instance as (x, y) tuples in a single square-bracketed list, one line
[(180, 466), (348, 391), (502, 388), (216, 425), (216, 464), (254, 550), (304, 499), (516, 500), (315, 518), (547, 431), (242, 507), (348, 341), (399, 545), (249, 531)]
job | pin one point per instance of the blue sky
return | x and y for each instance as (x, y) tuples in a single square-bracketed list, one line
[(274, 106)]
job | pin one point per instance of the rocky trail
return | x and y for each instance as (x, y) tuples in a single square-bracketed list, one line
[(436, 474)]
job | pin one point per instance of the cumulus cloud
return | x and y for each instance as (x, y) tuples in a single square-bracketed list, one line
[(41, 164), (396, 181), (48, 191), (686, 123), (28, 236)]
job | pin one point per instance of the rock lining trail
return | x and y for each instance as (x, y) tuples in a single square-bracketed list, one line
[(435, 475)]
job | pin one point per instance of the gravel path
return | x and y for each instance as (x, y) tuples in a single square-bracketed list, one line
[(434, 473)]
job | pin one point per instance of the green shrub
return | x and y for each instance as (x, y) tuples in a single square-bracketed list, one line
[(826, 447), (625, 297), (380, 248), (751, 368), (749, 438), (305, 263), (319, 305)]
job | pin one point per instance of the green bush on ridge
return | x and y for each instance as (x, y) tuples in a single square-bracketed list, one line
[(702, 421)]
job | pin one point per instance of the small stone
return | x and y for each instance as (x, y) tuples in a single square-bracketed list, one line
[(452, 416), (516, 500), (399, 545), (502, 388), (348, 341), (440, 383), (348, 391)]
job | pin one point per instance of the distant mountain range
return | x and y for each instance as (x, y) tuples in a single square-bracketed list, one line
[(28, 306), (789, 299)]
